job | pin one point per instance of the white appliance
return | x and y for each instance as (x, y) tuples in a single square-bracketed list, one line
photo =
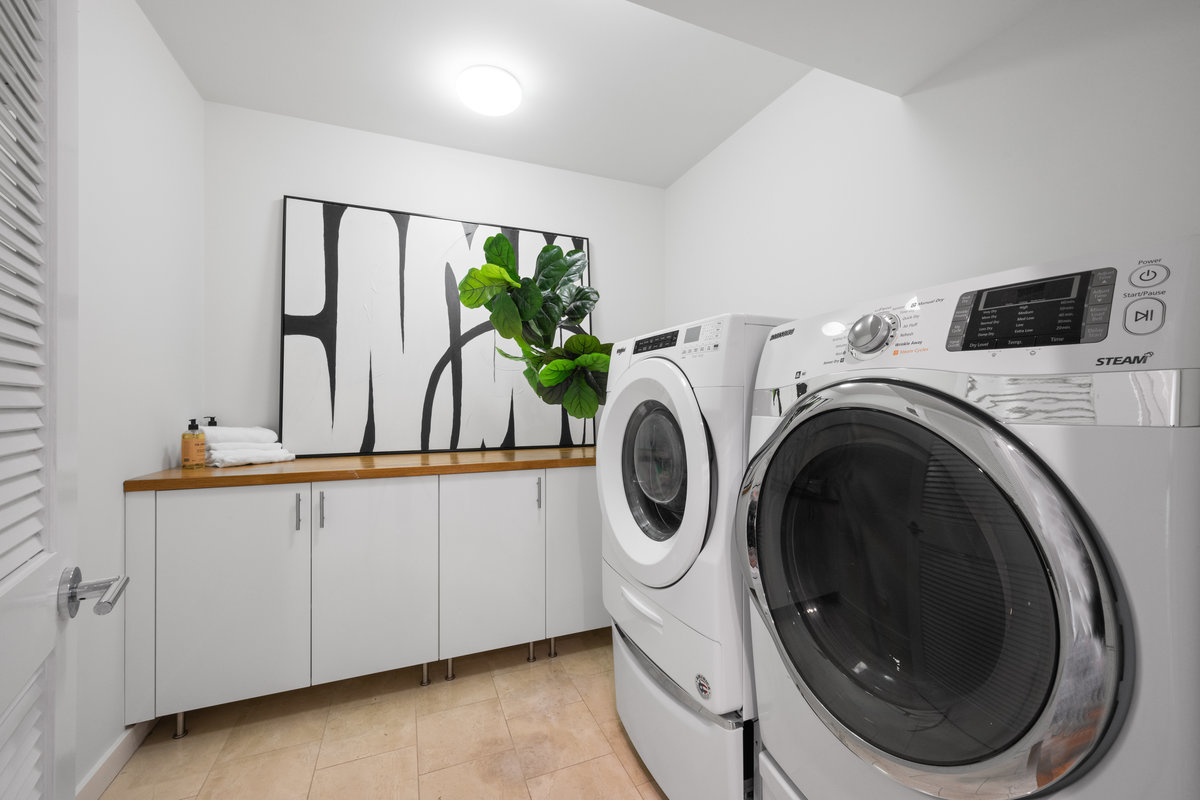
[(971, 529), (670, 453)]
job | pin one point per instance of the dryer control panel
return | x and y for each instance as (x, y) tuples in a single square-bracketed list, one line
[(703, 337), (659, 341)]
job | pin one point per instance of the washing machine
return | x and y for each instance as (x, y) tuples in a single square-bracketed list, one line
[(670, 453), (971, 531)]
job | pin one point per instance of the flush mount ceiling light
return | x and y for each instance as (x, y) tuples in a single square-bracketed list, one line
[(489, 90)]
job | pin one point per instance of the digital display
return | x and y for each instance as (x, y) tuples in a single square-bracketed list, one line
[(1037, 292), (691, 335), (1065, 309)]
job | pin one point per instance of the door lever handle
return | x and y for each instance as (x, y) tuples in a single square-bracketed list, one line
[(72, 590)]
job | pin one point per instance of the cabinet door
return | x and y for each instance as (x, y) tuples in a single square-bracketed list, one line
[(232, 589), (374, 576), (574, 601), (493, 560)]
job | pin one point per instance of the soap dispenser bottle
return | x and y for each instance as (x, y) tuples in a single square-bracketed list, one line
[(192, 446)]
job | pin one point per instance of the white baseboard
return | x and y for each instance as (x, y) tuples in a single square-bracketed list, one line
[(105, 772)]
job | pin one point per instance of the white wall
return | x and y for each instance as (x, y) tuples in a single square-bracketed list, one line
[(253, 159), (1073, 132), (180, 269), (141, 306)]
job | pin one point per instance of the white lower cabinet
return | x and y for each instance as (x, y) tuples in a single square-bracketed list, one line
[(374, 575), (232, 594), (237, 592), (493, 542), (574, 600)]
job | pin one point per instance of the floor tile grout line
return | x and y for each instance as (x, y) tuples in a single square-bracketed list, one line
[(312, 776), (580, 764)]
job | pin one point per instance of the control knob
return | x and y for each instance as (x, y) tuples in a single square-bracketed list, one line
[(870, 332)]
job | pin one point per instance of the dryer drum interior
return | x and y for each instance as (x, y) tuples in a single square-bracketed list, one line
[(915, 566), (654, 468)]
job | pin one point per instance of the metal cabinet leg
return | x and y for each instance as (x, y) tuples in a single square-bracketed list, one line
[(532, 658), (449, 669), (553, 648), (425, 674), (180, 728)]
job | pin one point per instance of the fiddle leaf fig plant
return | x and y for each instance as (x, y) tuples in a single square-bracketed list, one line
[(531, 310)]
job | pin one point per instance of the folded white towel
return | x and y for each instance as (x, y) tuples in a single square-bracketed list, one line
[(236, 458), (216, 447), (214, 434)]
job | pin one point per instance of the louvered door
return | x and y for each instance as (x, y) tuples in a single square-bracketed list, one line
[(35, 751)]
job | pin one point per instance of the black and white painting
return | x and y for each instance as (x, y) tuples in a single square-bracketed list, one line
[(379, 356)]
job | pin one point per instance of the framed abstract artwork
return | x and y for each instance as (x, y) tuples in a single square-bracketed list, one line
[(378, 355)]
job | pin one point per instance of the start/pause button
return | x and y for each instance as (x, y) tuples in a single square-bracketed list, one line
[(1145, 315)]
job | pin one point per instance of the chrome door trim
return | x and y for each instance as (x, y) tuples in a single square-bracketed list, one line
[(1084, 697), (730, 722)]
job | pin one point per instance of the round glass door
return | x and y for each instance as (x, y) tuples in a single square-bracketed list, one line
[(926, 618), (653, 468), (920, 576)]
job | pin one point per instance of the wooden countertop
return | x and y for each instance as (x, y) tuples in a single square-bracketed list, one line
[(348, 468)]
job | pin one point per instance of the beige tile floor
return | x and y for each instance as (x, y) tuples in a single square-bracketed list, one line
[(504, 728)]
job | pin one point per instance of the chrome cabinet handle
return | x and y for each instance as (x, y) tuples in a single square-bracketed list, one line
[(297, 511), (539, 492), (322, 504)]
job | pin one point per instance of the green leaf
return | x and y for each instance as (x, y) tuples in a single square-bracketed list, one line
[(531, 376), (541, 329), (553, 395), (482, 284), (502, 272), (556, 353), (578, 262), (582, 344), (528, 299), (532, 334), (599, 383), (510, 356), (499, 251), (505, 317), (596, 362), (550, 254), (578, 302), (580, 400), (556, 372), (553, 266)]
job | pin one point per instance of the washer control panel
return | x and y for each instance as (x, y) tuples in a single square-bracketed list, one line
[(1064, 309), (1122, 311), (871, 333)]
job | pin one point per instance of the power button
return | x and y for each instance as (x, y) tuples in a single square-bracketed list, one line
[(1150, 275)]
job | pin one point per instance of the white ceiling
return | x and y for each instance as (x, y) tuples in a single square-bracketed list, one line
[(612, 88), (892, 45)]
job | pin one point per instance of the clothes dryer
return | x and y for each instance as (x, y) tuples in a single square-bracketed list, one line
[(670, 453), (971, 529)]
